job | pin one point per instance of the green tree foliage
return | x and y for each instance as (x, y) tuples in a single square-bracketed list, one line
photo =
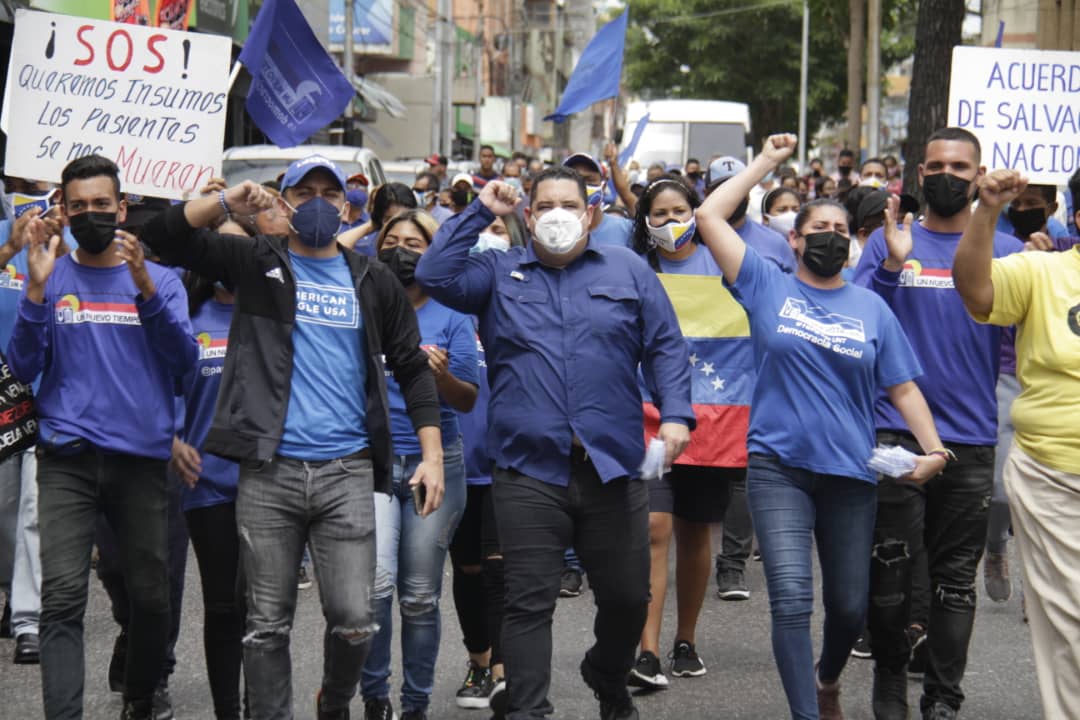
[(749, 51)]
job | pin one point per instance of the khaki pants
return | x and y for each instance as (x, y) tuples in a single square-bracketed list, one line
[(1045, 506)]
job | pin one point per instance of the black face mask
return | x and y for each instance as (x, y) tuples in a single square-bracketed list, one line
[(461, 198), (1026, 222), (695, 176), (94, 231), (945, 193), (740, 212), (845, 170), (402, 262), (826, 253)]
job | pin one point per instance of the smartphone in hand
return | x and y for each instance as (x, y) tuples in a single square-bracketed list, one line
[(419, 497)]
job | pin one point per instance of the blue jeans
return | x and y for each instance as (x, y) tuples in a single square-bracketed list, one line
[(411, 554), (792, 508), (20, 553)]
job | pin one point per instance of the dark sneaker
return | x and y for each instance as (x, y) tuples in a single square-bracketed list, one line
[(889, 698), (476, 688), (685, 661), (919, 651), (939, 711), (27, 650), (861, 649), (497, 699), (828, 702), (379, 709), (303, 578), (117, 663), (414, 715), (570, 584), (5, 621), (162, 703), (646, 673), (996, 577), (137, 710), (614, 705), (731, 585), (756, 555), (323, 714)]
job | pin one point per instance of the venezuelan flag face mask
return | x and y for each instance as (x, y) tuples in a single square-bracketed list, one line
[(672, 235)]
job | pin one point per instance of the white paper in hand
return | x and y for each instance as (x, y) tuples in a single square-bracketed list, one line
[(652, 468), (893, 461)]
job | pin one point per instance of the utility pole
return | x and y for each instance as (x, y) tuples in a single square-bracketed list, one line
[(803, 69), (436, 95), (449, 71), (478, 70), (856, 60), (348, 60), (873, 77)]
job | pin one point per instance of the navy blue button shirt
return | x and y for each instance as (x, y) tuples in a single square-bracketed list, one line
[(563, 348)]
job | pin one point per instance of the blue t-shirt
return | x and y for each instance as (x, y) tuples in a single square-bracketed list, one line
[(11, 281), (960, 357), (613, 230), (701, 262), (328, 396), (474, 425), (218, 479), (769, 244), (453, 332), (822, 356), (366, 244)]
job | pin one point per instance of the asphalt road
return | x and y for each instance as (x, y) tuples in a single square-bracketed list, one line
[(733, 640)]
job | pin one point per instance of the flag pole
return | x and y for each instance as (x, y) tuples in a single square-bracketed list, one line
[(235, 73)]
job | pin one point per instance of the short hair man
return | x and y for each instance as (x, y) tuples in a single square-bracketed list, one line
[(765, 241), (438, 164), (577, 318), (606, 229), (845, 167), (302, 408), (109, 335)]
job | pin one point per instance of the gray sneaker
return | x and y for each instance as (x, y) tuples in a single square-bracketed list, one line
[(996, 577), (731, 585), (939, 711)]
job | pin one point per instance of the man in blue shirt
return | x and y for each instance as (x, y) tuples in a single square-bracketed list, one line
[(911, 268), (109, 335), (566, 323), (303, 409), (606, 229)]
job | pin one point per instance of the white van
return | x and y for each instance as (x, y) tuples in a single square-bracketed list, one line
[(265, 162), (681, 129)]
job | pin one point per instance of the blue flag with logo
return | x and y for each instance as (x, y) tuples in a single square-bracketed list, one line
[(296, 87), (597, 73)]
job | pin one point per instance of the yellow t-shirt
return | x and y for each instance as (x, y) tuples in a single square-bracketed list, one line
[(1039, 292)]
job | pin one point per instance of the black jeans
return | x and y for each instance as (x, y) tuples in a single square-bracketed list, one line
[(608, 525), (131, 492), (217, 549), (738, 530), (949, 514), (110, 571)]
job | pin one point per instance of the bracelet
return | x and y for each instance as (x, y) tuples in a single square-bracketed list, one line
[(224, 205), (944, 452)]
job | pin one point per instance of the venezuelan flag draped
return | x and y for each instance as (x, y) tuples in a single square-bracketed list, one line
[(722, 370)]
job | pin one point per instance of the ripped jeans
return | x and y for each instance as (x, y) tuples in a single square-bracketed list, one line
[(411, 557), (949, 514), (281, 505)]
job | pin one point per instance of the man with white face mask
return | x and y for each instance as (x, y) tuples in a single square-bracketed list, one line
[(567, 322)]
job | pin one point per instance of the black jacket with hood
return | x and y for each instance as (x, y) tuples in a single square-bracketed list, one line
[(250, 416)]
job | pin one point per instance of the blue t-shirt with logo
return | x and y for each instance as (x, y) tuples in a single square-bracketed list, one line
[(613, 230), (328, 395), (769, 244), (822, 356), (218, 479), (12, 278), (474, 425), (453, 332)]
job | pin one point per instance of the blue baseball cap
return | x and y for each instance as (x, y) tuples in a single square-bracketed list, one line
[(723, 168), (300, 168)]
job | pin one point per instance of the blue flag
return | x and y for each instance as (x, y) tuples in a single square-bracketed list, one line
[(597, 73), (631, 147), (296, 87)]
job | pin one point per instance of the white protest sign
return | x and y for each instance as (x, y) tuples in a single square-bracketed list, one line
[(1023, 105), (150, 99)]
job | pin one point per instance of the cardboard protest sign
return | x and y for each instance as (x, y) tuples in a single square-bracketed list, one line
[(1023, 105), (153, 100)]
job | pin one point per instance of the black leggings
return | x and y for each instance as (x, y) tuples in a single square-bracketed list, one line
[(217, 549), (479, 597)]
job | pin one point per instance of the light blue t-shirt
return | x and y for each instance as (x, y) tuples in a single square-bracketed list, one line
[(821, 356), (453, 332), (12, 279), (326, 414), (613, 230), (769, 244), (701, 262)]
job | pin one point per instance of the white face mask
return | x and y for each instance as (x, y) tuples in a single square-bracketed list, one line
[(873, 182), (558, 230), (783, 223), (673, 235), (491, 241)]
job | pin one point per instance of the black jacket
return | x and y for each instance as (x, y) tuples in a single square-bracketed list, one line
[(250, 416)]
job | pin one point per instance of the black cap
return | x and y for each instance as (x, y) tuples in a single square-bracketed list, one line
[(872, 204)]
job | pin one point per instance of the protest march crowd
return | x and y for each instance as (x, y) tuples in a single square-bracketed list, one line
[(546, 372)]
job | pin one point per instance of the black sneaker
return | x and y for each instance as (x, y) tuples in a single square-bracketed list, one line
[(731, 585), (5, 621), (162, 703), (570, 584), (614, 705), (919, 652), (476, 688), (303, 578), (861, 649), (685, 661), (117, 663), (323, 714), (414, 715), (889, 696), (137, 710), (939, 711), (756, 555), (497, 700), (379, 709), (646, 673)]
